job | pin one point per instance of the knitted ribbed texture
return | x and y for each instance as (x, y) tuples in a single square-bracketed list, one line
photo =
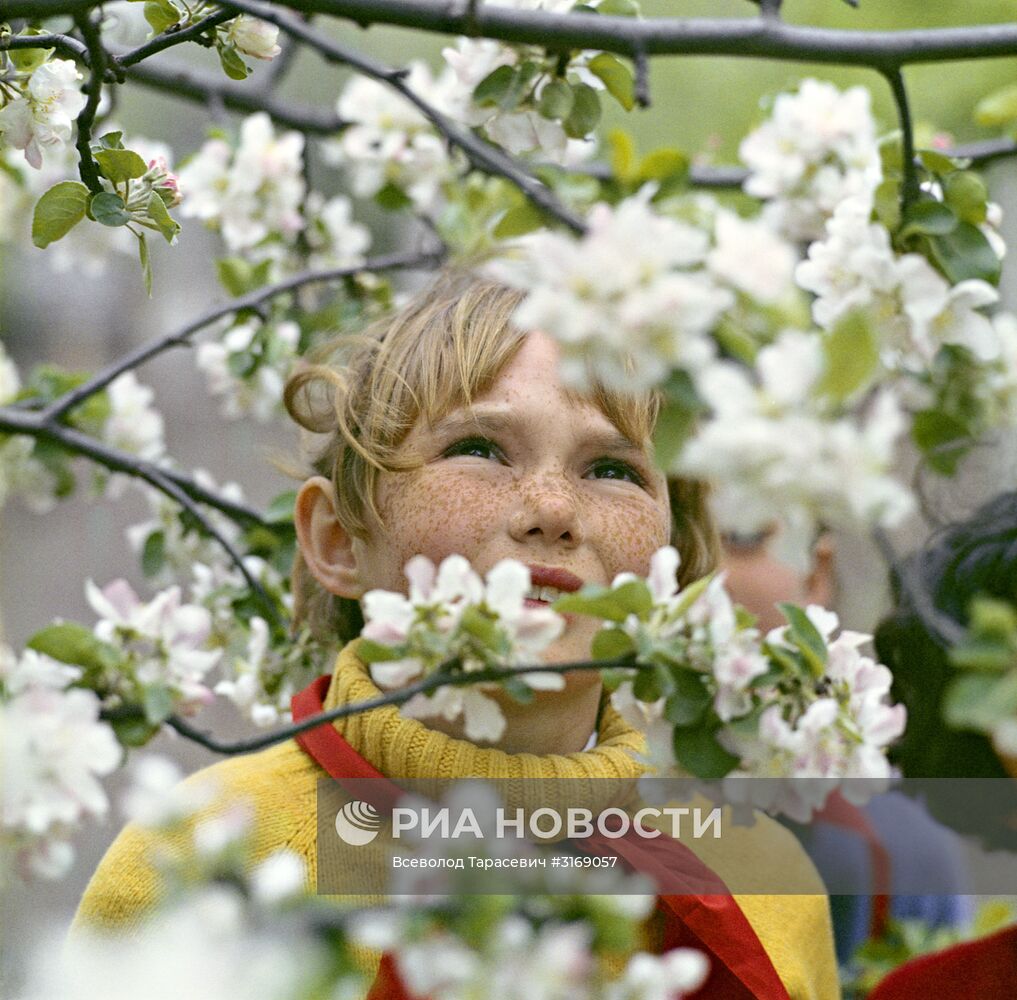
[(281, 784)]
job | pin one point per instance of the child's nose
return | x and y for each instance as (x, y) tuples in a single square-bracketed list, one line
[(549, 511)]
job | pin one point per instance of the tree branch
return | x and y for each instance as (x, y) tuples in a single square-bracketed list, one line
[(172, 37), (132, 359), (481, 154), (909, 189), (203, 89), (64, 44), (398, 697), (97, 68), (15, 420), (747, 38)]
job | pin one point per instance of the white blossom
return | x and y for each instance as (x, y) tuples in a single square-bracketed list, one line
[(53, 751), (911, 305), (425, 624), (164, 638), (157, 796), (335, 239), (44, 116), (817, 148), (391, 142), (660, 977), (628, 300), (252, 193), (781, 457), (254, 37), (133, 424), (751, 257)]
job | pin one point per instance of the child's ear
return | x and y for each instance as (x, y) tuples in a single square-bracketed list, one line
[(327, 547)]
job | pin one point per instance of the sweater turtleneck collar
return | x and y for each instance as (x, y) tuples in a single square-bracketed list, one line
[(407, 750)]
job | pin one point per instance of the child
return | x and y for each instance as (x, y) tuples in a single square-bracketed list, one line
[(448, 431)]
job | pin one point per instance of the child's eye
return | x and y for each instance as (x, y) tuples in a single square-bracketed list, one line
[(478, 446), (616, 469)]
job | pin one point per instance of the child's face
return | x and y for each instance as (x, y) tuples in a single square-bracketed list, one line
[(547, 484)]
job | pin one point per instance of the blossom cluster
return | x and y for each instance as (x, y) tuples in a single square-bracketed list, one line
[(42, 115), (782, 455), (53, 750), (450, 614), (725, 702), (628, 302), (817, 148)]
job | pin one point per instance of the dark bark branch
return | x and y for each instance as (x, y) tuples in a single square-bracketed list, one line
[(207, 90), (64, 44), (481, 154), (909, 185), (97, 62), (17, 420), (182, 337), (398, 697), (173, 37)]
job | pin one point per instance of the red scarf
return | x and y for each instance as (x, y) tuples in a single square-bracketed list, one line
[(710, 921)]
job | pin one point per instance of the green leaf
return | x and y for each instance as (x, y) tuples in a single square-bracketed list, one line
[(506, 86), (851, 351), (610, 644), (965, 253), (697, 750), (164, 222), (980, 701), (157, 701), (393, 198), (111, 140), (622, 154), (369, 651), (234, 274), (931, 430), (146, 263), (28, 60), (998, 108), (517, 221), (928, 218), (556, 100), (806, 637), (617, 77), (280, 510), (665, 164), (612, 604), (161, 14), (938, 163), (108, 208), (119, 165), (232, 65), (133, 732), (585, 112), (479, 626), (153, 555), (69, 642), (967, 195), (58, 211), (619, 8), (519, 689), (886, 202), (690, 699)]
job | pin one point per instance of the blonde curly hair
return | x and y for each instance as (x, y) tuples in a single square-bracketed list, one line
[(358, 396)]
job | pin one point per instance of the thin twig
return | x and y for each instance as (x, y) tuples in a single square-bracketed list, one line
[(172, 37), (132, 359), (64, 44), (642, 88), (15, 420), (909, 189), (97, 68), (430, 683), (204, 89), (482, 155)]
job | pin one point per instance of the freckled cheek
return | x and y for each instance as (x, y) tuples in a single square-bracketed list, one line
[(629, 535), (439, 515)]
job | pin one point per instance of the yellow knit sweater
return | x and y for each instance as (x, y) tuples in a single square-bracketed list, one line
[(281, 784)]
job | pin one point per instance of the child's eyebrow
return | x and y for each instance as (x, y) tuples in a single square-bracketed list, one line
[(498, 420)]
